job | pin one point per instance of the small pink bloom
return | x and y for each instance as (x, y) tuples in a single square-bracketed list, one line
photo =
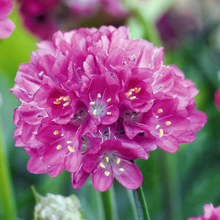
[(210, 213), (6, 25)]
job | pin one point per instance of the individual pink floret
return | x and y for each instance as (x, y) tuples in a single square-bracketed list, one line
[(210, 213), (6, 25), (94, 101)]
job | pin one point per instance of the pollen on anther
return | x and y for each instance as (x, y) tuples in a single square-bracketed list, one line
[(102, 165), (94, 112), (107, 159), (128, 94), (92, 103), (107, 173), (56, 132), (121, 169), (56, 102), (137, 90), (118, 160), (132, 97), (66, 98), (59, 147), (99, 95), (109, 100), (168, 123), (69, 142), (70, 149), (108, 113), (160, 110), (61, 97), (65, 104), (157, 126), (41, 73), (161, 133)]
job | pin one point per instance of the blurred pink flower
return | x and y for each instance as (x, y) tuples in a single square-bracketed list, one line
[(210, 213), (93, 101), (217, 99), (6, 25), (43, 18)]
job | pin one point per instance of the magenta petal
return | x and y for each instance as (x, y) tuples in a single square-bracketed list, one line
[(72, 161), (36, 165), (79, 178), (128, 174), (55, 170), (102, 179), (168, 143)]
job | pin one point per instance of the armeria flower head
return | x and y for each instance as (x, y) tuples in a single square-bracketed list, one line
[(94, 101), (210, 213), (6, 25)]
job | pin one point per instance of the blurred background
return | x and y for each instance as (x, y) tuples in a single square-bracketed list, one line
[(176, 186)]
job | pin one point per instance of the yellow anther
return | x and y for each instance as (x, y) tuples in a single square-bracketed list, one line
[(109, 113), (61, 97), (41, 73), (56, 132), (69, 142), (107, 173), (127, 94), (59, 147), (102, 165), (99, 95), (137, 90), (109, 100), (121, 169), (66, 103), (132, 97), (107, 159), (168, 123), (118, 160), (160, 110), (161, 133), (131, 90), (94, 112), (92, 103), (66, 98), (70, 149), (56, 102), (157, 126)]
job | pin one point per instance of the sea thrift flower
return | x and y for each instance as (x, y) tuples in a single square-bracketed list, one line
[(210, 213), (6, 25), (93, 101), (43, 18), (58, 207), (217, 99)]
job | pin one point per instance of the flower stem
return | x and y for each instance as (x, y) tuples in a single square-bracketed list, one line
[(107, 205), (141, 204), (6, 192)]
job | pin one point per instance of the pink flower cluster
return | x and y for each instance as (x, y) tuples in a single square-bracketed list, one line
[(93, 101), (43, 18), (6, 25), (210, 213)]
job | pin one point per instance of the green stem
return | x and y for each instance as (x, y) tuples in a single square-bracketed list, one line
[(107, 205), (6, 192), (141, 205)]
